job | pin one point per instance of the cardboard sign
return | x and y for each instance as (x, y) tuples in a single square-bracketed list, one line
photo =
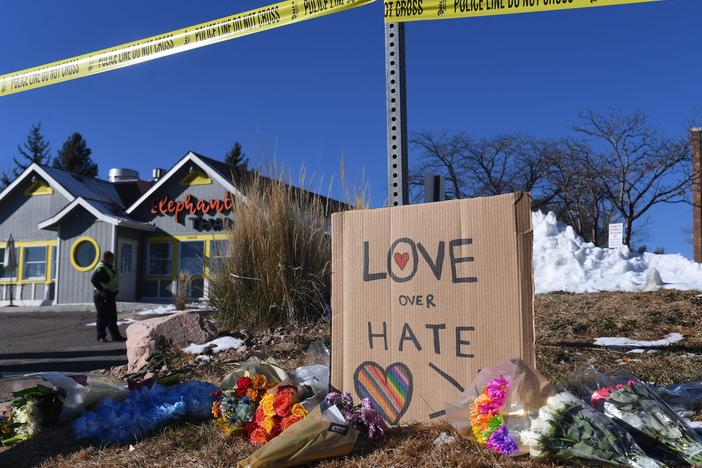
[(424, 296), (616, 235)]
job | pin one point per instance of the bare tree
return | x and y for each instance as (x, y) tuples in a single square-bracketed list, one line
[(441, 155), (580, 198), (489, 166), (637, 167)]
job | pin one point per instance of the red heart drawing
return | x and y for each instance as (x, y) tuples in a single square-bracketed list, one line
[(401, 259)]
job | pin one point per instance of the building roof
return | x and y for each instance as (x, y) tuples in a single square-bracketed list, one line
[(211, 167), (131, 190), (86, 187), (330, 204), (102, 210), (115, 202), (69, 185), (223, 173)]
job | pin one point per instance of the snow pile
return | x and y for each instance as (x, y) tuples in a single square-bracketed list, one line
[(218, 345), (565, 262), (619, 342)]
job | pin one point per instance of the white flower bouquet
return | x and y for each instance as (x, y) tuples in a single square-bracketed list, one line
[(31, 409), (567, 429), (638, 408)]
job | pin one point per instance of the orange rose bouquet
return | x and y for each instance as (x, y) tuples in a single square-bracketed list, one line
[(278, 409)]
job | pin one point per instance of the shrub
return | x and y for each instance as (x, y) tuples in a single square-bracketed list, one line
[(277, 269)]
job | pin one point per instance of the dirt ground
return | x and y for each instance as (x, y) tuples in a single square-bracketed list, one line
[(566, 325)]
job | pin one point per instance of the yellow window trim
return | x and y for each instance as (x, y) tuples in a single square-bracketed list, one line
[(75, 245), (30, 243), (175, 252), (39, 188), (20, 261), (195, 178), (188, 238)]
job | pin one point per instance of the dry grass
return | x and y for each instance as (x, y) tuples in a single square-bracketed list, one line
[(278, 266), (182, 289), (566, 324)]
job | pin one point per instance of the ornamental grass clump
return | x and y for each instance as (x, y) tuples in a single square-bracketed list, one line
[(277, 266), (182, 289)]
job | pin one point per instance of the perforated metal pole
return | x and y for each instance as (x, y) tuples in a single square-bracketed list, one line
[(398, 183)]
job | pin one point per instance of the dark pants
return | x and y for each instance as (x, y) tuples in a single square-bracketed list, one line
[(106, 316)]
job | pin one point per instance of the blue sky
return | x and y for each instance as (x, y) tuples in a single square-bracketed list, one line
[(314, 92)]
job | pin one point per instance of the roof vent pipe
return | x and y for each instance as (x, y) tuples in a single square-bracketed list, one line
[(157, 173), (122, 175)]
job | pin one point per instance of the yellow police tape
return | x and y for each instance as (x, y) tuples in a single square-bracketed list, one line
[(150, 48), (415, 10)]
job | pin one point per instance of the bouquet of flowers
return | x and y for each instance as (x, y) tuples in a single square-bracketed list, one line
[(234, 409), (638, 408), (487, 423), (566, 428), (31, 409), (334, 428), (144, 411), (363, 417), (278, 409), (497, 391), (8, 429)]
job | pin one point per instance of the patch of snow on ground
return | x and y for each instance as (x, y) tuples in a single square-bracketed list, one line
[(119, 322), (218, 345), (161, 310), (171, 309), (620, 342), (565, 262)]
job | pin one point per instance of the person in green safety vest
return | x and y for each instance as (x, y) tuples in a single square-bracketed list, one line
[(106, 284)]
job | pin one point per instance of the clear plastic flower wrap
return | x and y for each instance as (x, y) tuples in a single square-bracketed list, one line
[(497, 391), (568, 429), (637, 407), (334, 428), (540, 420), (31, 410)]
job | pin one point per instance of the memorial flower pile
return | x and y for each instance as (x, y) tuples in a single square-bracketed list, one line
[(234, 409), (362, 417), (144, 411), (278, 409), (567, 429), (30, 410), (487, 424), (636, 406), (7, 427)]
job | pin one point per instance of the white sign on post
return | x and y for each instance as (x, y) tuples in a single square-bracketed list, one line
[(616, 234)]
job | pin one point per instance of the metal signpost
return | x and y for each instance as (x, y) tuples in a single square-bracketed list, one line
[(396, 103)]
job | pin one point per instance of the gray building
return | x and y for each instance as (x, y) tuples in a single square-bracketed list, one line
[(62, 223)]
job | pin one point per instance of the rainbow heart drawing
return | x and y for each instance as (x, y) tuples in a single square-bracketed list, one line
[(389, 390)]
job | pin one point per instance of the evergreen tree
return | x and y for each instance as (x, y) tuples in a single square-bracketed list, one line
[(74, 157), (236, 160), (5, 180), (34, 150)]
